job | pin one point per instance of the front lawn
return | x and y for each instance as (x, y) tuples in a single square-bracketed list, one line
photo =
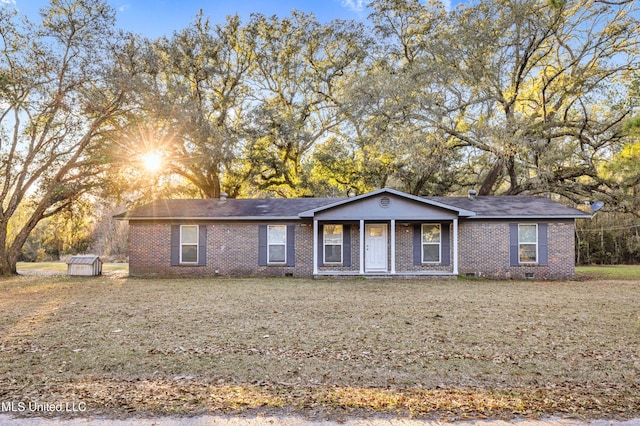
[(60, 267), (449, 349), (610, 272)]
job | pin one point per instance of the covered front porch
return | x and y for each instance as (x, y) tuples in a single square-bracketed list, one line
[(375, 247), (385, 232)]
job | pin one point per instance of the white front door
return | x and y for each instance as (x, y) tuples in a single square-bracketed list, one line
[(375, 241)]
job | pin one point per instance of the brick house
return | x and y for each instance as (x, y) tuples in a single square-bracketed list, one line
[(385, 232)]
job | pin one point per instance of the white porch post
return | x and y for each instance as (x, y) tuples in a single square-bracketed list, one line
[(455, 246), (362, 246), (393, 246), (315, 246)]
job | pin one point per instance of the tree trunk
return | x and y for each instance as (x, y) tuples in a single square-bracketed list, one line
[(7, 267), (487, 187), (211, 186), (8, 262)]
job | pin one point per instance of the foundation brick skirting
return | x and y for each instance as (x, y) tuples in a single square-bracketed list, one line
[(232, 249)]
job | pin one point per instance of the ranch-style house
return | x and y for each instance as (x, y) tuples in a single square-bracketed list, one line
[(381, 233)]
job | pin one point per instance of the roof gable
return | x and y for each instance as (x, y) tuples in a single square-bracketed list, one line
[(400, 206), (385, 204)]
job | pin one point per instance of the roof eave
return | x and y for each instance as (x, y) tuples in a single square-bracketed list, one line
[(521, 217), (210, 218)]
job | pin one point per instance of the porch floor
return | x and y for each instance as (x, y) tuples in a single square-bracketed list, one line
[(386, 275)]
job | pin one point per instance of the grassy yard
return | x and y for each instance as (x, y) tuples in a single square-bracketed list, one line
[(446, 349), (610, 272), (50, 267)]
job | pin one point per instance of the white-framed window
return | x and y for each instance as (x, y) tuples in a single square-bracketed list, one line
[(431, 242), (332, 235), (528, 243), (277, 244), (189, 244)]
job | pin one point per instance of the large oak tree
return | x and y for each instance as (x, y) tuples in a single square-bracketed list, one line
[(58, 95), (531, 93)]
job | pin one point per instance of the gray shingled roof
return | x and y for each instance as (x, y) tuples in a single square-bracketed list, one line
[(511, 206), (290, 208), (230, 208)]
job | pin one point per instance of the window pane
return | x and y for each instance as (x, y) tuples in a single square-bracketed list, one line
[(431, 252), (375, 231), (277, 234), (527, 234), (332, 234), (189, 254), (430, 233), (528, 253), (189, 234), (276, 253), (333, 254)]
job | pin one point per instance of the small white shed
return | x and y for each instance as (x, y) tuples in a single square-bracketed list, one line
[(88, 264)]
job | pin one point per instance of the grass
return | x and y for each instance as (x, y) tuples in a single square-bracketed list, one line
[(62, 266), (447, 349), (610, 272)]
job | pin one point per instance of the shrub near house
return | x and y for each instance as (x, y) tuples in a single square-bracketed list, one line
[(385, 232)]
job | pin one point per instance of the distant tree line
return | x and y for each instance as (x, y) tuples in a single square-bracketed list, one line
[(609, 239), (507, 97)]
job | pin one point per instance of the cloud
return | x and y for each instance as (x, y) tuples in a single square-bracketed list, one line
[(355, 5), (13, 2)]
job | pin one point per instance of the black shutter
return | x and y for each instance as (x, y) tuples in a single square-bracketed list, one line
[(445, 244), (417, 244), (291, 245), (543, 244), (513, 244), (175, 245), (262, 245), (320, 246), (346, 245), (202, 245)]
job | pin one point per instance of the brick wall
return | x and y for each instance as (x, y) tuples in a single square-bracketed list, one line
[(355, 254), (149, 249), (227, 253), (484, 251), (404, 252)]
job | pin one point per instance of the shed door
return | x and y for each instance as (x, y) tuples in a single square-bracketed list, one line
[(375, 241)]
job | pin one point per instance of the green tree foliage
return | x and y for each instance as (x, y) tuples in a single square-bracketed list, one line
[(189, 102), (69, 232), (534, 94), (505, 96), (623, 171), (300, 69), (610, 238), (58, 96)]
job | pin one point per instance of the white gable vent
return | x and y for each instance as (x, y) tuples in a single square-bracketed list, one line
[(385, 202)]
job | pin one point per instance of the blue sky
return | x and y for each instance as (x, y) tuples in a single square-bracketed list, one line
[(154, 18)]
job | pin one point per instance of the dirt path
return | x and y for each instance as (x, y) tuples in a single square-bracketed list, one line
[(7, 420)]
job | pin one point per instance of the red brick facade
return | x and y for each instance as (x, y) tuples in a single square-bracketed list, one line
[(484, 251), (232, 249)]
